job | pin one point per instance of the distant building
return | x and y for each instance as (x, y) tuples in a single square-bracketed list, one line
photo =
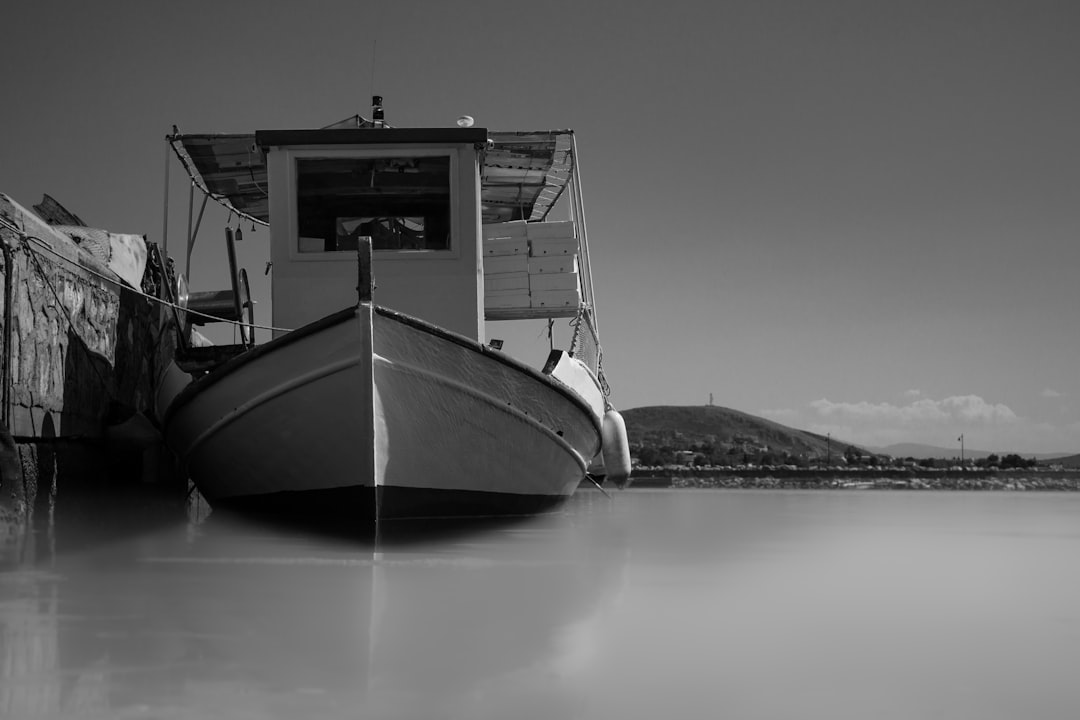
[(685, 457)]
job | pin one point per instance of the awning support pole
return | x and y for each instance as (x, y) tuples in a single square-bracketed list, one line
[(195, 233), (165, 220), (190, 212)]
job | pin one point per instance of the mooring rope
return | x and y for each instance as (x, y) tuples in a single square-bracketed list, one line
[(599, 487), (44, 245)]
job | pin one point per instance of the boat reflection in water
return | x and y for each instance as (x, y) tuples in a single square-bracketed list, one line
[(232, 619)]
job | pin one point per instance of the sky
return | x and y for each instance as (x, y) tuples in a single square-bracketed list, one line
[(859, 218)]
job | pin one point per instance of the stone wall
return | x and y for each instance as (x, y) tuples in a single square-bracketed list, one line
[(80, 357)]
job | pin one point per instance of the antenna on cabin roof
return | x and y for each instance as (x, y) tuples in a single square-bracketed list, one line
[(377, 118), (710, 400)]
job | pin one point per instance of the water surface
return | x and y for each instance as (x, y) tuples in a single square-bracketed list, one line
[(672, 603)]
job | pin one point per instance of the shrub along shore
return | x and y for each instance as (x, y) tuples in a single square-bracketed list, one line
[(861, 479)]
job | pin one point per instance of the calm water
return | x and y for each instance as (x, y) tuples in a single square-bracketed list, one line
[(665, 604)]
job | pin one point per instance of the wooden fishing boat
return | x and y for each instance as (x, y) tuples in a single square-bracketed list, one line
[(383, 398)]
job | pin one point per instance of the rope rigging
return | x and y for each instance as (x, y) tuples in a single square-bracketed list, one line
[(28, 239)]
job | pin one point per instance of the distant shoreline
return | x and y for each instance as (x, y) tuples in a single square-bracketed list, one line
[(841, 479)]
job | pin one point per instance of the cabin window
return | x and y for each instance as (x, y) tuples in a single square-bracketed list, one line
[(402, 203)]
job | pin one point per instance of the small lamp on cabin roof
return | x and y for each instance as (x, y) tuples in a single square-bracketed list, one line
[(377, 118), (465, 121)]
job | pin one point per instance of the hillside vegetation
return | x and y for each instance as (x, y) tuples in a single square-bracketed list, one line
[(1072, 461), (719, 433)]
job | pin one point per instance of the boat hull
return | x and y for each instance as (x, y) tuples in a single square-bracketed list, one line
[(369, 413)]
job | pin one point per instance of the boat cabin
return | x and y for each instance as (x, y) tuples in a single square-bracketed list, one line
[(458, 219), (414, 192)]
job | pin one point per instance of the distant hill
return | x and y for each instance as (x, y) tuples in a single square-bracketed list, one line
[(918, 451), (682, 426), (1069, 461), (687, 425)]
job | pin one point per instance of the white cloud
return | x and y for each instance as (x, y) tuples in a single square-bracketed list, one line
[(973, 408), (958, 408), (1048, 393), (985, 425)]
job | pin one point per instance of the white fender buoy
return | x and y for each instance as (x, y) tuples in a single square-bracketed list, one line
[(615, 448)]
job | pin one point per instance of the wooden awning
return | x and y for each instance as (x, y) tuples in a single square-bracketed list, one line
[(522, 175)]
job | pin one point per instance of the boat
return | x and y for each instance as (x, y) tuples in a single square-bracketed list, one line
[(378, 395)]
